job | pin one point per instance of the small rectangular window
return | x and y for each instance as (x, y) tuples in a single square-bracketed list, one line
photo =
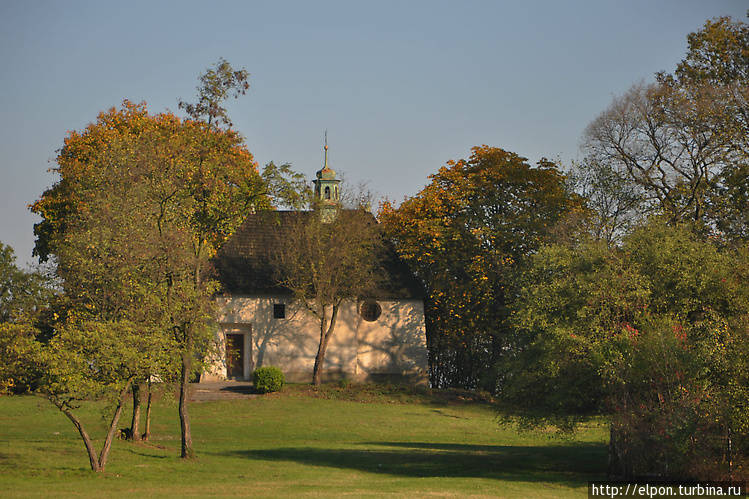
[(279, 310)]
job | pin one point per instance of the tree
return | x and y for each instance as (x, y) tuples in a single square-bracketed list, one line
[(95, 352), (79, 363), (217, 85), (656, 135), (287, 188), (148, 199), (653, 334), (615, 205), (718, 60), (24, 302), (22, 294), (463, 236), (325, 262), (683, 139), (718, 54), (109, 262), (221, 203)]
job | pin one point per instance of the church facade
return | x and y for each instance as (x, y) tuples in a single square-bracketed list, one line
[(378, 338)]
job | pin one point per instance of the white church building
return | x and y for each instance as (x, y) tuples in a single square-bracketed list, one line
[(380, 338)]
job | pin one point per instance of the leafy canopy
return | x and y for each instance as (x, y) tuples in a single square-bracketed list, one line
[(653, 333), (463, 235)]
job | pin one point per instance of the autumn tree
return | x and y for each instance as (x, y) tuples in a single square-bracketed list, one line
[(464, 235), (655, 135), (718, 62), (718, 54), (219, 203), (149, 199), (325, 261), (682, 139)]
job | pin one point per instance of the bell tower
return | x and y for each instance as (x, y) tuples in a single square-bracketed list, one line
[(327, 195)]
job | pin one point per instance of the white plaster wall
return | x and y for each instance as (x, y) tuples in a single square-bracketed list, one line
[(395, 344)]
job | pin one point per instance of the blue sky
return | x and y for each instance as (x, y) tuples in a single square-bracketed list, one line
[(400, 86)]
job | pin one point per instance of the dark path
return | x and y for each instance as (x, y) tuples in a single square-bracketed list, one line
[(221, 390)]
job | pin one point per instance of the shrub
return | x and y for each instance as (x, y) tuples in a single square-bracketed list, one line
[(268, 379)]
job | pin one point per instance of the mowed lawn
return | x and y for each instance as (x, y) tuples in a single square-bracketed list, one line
[(301, 444)]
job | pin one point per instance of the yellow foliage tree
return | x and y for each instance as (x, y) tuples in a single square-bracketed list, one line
[(464, 235)]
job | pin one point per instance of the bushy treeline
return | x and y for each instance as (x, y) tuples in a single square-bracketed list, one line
[(654, 333), (618, 288)]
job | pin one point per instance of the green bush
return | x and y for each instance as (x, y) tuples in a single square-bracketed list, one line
[(268, 379)]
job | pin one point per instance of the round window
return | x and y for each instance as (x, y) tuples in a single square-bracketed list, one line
[(370, 311)]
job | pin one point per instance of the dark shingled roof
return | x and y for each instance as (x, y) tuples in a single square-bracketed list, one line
[(243, 268)]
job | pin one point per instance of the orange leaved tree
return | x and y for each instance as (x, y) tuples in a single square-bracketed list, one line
[(463, 235), (142, 203)]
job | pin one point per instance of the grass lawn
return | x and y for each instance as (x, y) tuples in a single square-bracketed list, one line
[(301, 443)]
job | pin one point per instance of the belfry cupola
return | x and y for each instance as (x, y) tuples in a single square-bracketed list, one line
[(327, 195)]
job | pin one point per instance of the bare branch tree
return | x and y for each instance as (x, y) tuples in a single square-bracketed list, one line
[(326, 262)]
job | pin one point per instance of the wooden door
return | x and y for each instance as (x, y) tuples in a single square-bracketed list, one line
[(235, 356)]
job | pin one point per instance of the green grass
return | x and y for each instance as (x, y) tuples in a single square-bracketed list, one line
[(356, 442)]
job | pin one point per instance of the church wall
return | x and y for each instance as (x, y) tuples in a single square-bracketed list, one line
[(391, 347)]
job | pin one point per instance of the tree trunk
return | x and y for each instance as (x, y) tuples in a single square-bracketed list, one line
[(113, 427), (93, 458), (184, 418), (325, 335), (97, 462), (135, 424), (319, 360), (147, 431), (614, 465)]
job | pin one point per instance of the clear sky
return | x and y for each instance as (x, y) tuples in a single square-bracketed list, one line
[(401, 86)]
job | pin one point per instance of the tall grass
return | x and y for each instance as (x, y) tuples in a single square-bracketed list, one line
[(300, 444)]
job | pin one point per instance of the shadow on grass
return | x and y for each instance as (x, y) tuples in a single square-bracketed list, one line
[(572, 464), (241, 388), (152, 452)]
